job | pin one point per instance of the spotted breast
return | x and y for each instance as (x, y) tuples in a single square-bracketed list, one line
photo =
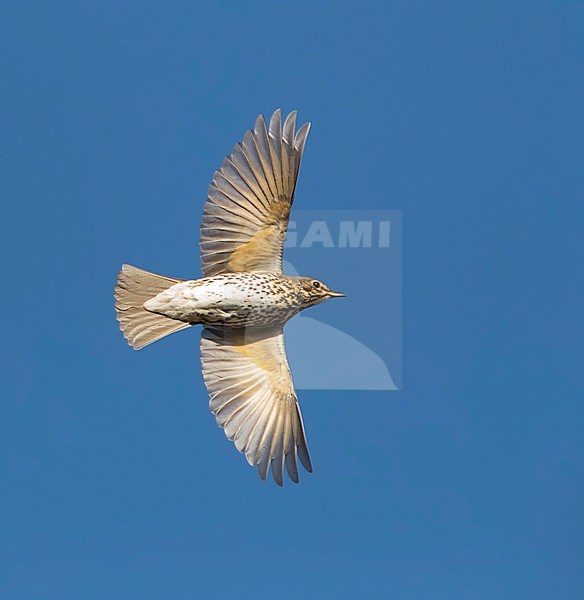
[(232, 299)]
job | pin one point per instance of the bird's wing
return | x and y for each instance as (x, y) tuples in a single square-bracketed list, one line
[(253, 399), (248, 204)]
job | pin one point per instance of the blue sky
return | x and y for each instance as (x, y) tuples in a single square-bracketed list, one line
[(464, 115)]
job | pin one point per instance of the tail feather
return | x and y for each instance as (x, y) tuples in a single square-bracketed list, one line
[(139, 326)]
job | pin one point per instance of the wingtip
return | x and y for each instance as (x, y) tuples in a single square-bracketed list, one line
[(292, 115), (304, 457), (260, 123), (301, 135), (276, 124), (289, 127)]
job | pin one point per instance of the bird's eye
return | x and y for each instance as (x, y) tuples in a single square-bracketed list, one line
[(316, 284)]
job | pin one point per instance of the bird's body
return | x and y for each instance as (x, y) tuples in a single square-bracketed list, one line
[(243, 299), (256, 299)]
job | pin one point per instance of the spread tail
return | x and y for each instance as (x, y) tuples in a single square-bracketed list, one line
[(139, 326)]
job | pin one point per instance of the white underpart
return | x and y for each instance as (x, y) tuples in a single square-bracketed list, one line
[(189, 300)]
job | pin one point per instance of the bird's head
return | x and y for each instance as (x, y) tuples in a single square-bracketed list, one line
[(314, 292)]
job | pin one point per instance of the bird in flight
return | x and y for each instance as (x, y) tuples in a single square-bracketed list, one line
[(243, 299)]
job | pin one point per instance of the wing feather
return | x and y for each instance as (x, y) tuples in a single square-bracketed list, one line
[(277, 454), (251, 195), (253, 398), (260, 135), (250, 150)]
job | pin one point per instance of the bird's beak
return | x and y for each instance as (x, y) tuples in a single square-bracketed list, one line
[(336, 295)]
